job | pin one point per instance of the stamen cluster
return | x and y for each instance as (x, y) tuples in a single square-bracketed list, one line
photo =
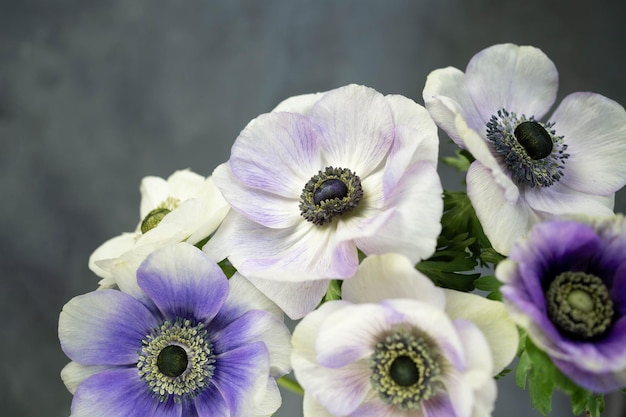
[(526, 167), (406, 370), (200, 360)]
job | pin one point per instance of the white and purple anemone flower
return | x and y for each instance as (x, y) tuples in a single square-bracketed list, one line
[(186, 207), (526, 170), (566, 286), (396, 345), (193, 343), (318, 178)]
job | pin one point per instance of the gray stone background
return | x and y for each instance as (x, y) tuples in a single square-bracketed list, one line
[(95, 95)]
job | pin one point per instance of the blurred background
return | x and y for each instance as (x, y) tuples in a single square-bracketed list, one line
[(95, 95)]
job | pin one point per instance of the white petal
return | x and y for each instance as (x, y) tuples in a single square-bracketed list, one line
[(301, 104), (294, 298), (503, 222), (446, 97), (559, 199), (521, 79), (111, 249), (184, 184), (248, 297), (356, 126), (154, 191), (277, 153), (74, 373), (390, 276), (267, 402), (594, 129), (312, 408), (492, 319)]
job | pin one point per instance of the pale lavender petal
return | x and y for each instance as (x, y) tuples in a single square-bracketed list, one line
[(356, 126), (390, 276), (183, 282), (504, 222), (446, 97), (302, 253), (260, 206), (412, 228), (96, 329), (239, 373), (594, 129), (119, 393), (441, 406), (277, 153), (520, 79)]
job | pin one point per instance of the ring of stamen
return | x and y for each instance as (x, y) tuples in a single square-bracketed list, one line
[(579, 304), (406, 370), (330, 193), (531, 151), (176, 359)]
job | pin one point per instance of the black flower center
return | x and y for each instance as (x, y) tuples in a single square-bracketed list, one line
[(535, 140), (531, 151), (329, 194), (579, 305), (153, 219), (176, 359), (172, 360), (406, 369)]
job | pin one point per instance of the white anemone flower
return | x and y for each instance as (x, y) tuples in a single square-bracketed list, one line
[(526, 170), (397, 345), (323, 176), (186, 207)]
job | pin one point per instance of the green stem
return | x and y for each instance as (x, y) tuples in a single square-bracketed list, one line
[(290, 384)]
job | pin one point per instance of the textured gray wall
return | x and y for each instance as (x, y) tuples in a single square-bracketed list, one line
[(96, 94)]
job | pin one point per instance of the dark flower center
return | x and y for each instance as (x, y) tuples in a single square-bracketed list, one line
[(535, 140), (153, 219), (177, 359), (406, 370), (579, 305), (172, 360), (329, 194), (531, 151)]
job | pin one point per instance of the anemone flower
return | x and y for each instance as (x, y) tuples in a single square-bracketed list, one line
[(566, 286), (526, 170), (192, 343), (323, 176), (185, 207), (396, 345)]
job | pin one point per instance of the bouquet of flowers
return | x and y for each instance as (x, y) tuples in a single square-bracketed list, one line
[(409, 300)]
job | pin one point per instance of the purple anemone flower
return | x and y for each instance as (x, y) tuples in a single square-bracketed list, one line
[(192, 344), (566, 286), (526, 168)]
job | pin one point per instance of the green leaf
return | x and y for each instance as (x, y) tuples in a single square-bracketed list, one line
[(490, 256), (228, 268), (522, 369), (489, 283), (460, 162), (334, 291)]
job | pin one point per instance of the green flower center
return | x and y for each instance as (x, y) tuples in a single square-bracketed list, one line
[(406, 370), (153, 218), (176, 359), (579, 304), (531, 151), (329, 194)]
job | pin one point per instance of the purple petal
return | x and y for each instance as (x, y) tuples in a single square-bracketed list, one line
[(441, 406), (119, 393), (278, 153), (356, 126), (602, 383), (183, 282), (521, 79), (104, 327), (239, 373), (210, 402)]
